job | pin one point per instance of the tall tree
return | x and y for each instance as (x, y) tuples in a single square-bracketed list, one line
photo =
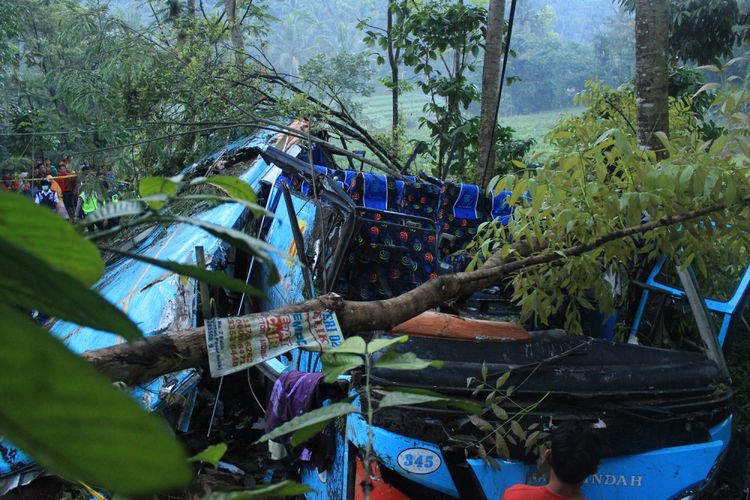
[(235, 28), (393, 61), (651, 84), (493, 48)]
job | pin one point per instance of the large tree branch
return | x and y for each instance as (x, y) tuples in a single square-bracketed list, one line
[(140, 361)]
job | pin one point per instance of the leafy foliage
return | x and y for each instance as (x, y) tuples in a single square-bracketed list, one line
[(85, 429), (700, 30), (597, 181)]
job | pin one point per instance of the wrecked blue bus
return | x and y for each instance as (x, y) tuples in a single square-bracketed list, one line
[(665, 412)]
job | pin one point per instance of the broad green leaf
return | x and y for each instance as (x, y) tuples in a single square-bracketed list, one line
[(233, 186), (157, 185), (306, 434), (462, 404), (531, 440), (480, 423), (378, 344), (393, 360), (665, 142), (516, 429), (502, 379), (352, 345), (210, 455), (42, 233), (335, 364), (74, 422), (706, 87), (710, 67), (254, 207), (31, 283), (238, 239), (283, 489), (124, 208), (718, 144), (323, 414), (501, 446), (396, 398), (216, 278), (499, 411), (685, 176)]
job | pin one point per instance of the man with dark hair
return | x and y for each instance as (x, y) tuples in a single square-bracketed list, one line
[(46, 197), (573, 456)]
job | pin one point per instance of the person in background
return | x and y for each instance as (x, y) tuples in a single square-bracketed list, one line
[(90, 198), (8, 183), (573, 456), (49, 168), (54, 186), (46, 197), (67, 184)]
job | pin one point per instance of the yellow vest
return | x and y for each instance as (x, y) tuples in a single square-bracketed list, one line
[(90, 203)]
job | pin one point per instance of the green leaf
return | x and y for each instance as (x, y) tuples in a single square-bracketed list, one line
[(665, 142), (531, 440), (282, 489), (480, 423), (392, 360), (210, 455), (238, 239), (306, 434), (706, 87), (335, 364), (499, 412), (461, 404), (157, 185), (516, 429), (124, 208), (502, 379), (484, 371), (718, 144), (74, 422), (501, 446), (32, 284), (254, 207), (233, 186), (352, 345), (216, 278), (323, 414), (397, 398), (40, 232), (378, 344)]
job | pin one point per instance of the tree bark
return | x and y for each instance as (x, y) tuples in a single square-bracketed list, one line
[(235, 29), (651, 86), (493, 49), (138, 362), (393, 62)]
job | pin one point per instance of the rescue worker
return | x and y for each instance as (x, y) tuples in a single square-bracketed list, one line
[(45, 196)]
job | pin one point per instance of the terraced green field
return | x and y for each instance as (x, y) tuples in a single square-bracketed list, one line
[(376, 112)]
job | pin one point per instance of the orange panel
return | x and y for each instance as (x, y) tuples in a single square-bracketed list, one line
[(380, 489), (434, 324)]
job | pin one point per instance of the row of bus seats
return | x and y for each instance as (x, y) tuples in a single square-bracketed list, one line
[(407, 229)]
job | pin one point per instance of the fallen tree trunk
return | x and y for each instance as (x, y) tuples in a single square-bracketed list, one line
[(140, 361)]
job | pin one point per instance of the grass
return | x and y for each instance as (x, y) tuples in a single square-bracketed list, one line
[(376, 113)]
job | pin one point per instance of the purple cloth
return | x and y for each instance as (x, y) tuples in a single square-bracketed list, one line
[(293, 394)]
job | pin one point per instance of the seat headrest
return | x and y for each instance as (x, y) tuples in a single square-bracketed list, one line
[(465, 206), (375, 193), (500, 208)]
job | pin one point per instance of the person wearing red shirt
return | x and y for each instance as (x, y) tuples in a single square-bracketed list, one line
[(573, 456)]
